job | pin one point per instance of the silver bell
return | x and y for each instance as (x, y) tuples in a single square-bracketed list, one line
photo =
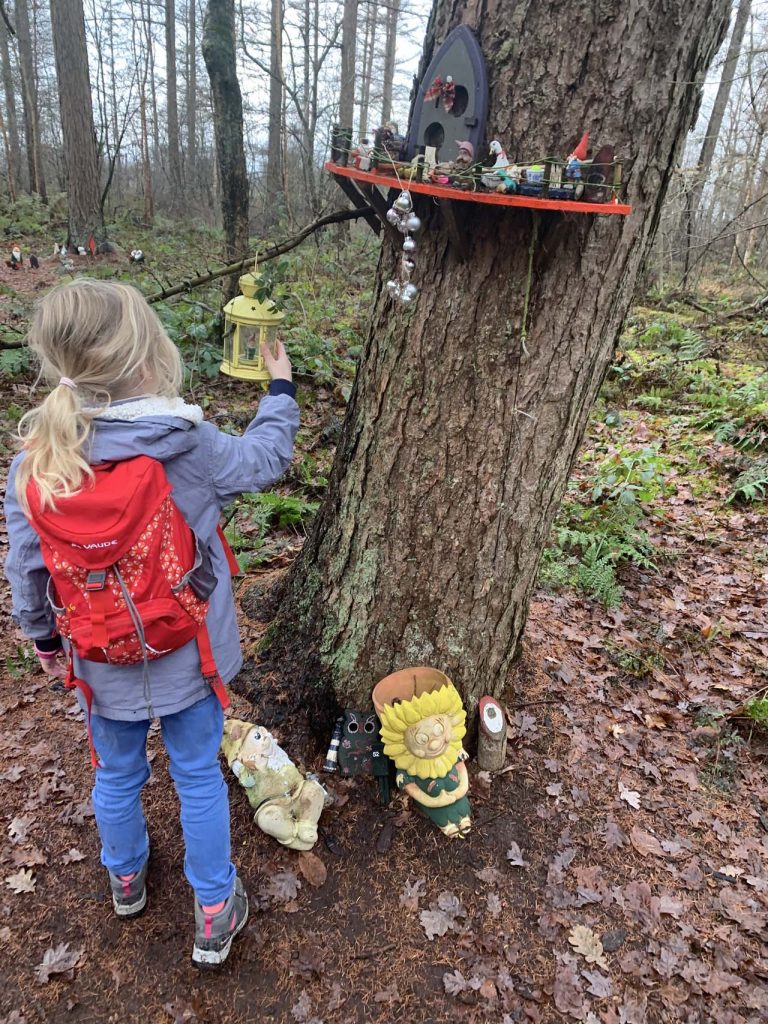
[(413, 223), (408, 265), (393, 216), (408, 293), (403, 202), (409, 245), (394, 289)]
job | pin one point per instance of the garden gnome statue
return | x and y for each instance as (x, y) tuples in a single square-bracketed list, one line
[(287, 805), (422, 726)]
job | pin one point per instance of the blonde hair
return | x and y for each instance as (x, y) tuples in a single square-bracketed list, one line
[(106, 340)]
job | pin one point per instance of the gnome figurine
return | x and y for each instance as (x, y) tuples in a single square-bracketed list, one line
[(422, 732), (287, 806)]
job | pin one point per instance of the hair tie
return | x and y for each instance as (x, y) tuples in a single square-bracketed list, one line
[(68, 383)]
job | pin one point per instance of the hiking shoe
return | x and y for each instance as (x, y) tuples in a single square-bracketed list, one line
[(129, 898), (214, 932)]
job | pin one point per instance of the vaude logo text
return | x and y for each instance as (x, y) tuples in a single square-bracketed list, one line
[(98, 544)]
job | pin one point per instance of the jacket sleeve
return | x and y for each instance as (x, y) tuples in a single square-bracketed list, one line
[(25, 570), (254, 461)]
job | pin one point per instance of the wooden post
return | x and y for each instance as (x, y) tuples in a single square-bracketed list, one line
[(492, 738)]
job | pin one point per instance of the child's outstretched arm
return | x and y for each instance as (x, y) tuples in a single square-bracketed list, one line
[(256, 460)]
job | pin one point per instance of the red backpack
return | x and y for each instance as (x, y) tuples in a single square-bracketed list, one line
[(129, 581)]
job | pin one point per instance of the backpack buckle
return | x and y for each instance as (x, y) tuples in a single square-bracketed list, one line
[(96, 580)]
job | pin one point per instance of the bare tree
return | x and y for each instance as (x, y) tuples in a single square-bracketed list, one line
[(30, 101), (172, 110), (220, 60), (68, 25), (715, 121), (393, 12), (11, 118), (274, 180)]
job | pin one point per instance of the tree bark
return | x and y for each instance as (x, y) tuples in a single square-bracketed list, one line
[(369, 44), (220, 60), (11, 116), (390, 46), (172, 107), (459, 438), (715, 123), (274, 182), (29, 101), (80, 157), (348, 40), (191, 160)]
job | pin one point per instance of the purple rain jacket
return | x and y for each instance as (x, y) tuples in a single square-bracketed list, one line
[(207, 469)]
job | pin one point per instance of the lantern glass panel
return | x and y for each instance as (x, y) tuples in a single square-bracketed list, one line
[(229, 334), (270, 336), (249, 346)]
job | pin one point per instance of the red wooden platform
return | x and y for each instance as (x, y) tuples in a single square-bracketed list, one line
[(490, 198)]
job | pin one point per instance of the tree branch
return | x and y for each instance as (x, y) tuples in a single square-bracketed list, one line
[(268, 254)]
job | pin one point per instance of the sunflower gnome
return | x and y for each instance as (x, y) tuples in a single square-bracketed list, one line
[(422, 726)]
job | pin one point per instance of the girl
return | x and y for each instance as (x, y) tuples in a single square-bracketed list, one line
[(115, 377)]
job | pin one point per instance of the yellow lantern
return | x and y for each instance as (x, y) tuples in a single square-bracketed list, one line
[(249, 324)]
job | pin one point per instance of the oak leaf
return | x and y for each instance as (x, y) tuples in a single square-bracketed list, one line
[(22, 881), (58, 960), (585, 942)]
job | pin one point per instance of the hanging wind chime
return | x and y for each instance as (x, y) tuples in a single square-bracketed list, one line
[(402, 217)]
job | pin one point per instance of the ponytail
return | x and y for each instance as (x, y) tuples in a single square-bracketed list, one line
[(97, 341), (54, 436)]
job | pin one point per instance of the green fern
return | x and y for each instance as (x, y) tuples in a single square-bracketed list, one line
[(596, 576), (752, 484)]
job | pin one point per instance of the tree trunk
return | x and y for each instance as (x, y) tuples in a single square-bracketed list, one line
[(172, 108), (80, 158), (191, 90), (715, 122), (347, 90), (369, 43), (11, 116), (220, 60), (390, 47), (274, 183), (459, 438), (29, 101)]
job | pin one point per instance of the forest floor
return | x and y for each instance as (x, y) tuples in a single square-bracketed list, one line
[(618, 868)]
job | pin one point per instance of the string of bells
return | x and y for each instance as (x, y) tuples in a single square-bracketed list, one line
[(402, 217)]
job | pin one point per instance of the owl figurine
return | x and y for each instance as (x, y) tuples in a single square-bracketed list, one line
[(359, 733)]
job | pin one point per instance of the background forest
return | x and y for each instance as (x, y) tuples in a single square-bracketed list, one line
[(618, 872)]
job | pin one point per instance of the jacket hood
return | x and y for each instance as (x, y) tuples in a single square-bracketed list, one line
[(159, 427)]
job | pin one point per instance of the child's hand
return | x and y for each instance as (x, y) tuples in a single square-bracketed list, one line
[(279, 365)]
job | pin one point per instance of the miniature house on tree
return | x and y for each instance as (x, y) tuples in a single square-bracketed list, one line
[(452, 101)]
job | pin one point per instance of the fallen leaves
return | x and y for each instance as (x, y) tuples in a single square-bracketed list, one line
[(588, 945), (629, 796), (645, 843), (23, 881), (313, 869), (515, 857), (442, 916), (412, 893), (58, 960)]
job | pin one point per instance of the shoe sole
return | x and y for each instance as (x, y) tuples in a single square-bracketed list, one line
[(211, 959), (126, 912)]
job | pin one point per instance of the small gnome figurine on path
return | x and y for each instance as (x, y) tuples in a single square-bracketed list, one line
[(287, 805)]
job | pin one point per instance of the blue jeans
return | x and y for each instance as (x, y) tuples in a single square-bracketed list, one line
[(192, 738)]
